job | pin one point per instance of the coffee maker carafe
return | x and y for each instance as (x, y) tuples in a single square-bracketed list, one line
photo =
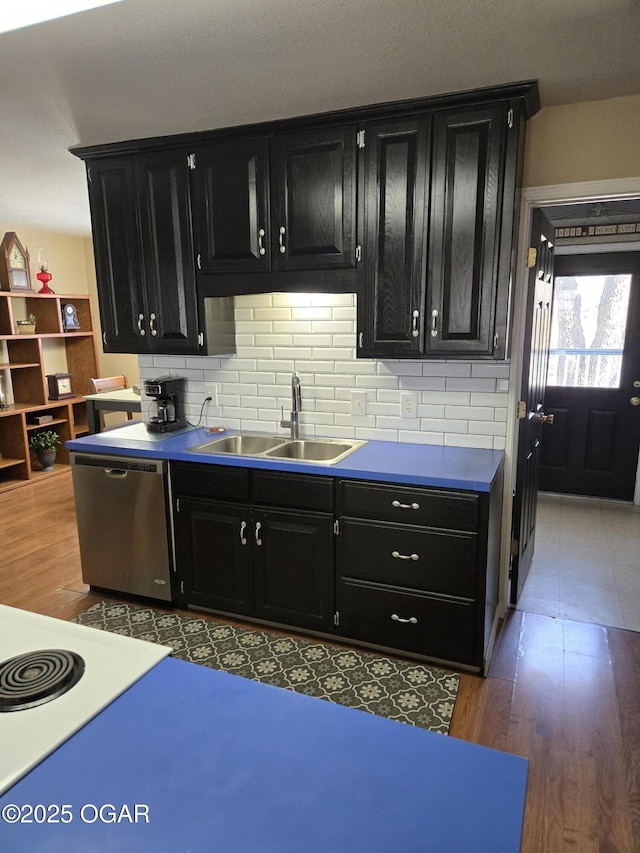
[(166, 409)]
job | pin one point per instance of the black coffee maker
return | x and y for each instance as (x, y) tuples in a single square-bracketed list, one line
[(166, 412)]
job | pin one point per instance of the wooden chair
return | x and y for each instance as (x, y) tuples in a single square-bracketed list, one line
[(110, 383)]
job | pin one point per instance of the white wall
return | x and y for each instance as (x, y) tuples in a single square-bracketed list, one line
[(460, 403)]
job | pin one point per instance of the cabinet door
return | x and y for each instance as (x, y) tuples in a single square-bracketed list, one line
[(468, 156), (165, 217), (313, 186), (112, 197), (230, 184), (293, 567), (213, 555), (391, 309)]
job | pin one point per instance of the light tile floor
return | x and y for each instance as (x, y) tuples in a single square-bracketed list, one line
[(586, 565)]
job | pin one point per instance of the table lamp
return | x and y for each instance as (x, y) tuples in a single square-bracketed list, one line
[(44, 276)]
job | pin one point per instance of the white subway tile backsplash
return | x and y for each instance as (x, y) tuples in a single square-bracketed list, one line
[(460, 403), (479, 441), (454, 384), (477, 413), (497, 369), (447, 368)]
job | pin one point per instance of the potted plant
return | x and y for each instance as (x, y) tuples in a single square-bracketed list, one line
[(44, 444), (28, 326)]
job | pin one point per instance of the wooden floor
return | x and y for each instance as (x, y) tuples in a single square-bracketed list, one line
[(566, 695)]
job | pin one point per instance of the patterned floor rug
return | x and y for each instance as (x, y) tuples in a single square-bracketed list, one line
[(411, 692)]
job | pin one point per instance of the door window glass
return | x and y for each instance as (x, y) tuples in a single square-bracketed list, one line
[(588, 326)]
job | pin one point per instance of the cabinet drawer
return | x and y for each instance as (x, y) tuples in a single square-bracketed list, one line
[(210, 481), (416, 623), (293, 490), (407, 505), (407, 556)]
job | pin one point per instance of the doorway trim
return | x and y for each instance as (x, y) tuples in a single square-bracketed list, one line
[(616, 189)]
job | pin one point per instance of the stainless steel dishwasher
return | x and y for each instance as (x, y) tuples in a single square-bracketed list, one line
[(124, 527)]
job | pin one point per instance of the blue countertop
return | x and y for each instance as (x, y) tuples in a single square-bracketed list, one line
[(387, 461), (220, 763)]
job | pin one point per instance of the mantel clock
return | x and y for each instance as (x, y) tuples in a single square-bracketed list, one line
[(14, 264)]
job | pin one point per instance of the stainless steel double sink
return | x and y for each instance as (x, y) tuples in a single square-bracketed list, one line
[(322, 451)]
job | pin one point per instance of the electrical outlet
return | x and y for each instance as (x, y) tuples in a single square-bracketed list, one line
[(358, 403), (409, 404), (211, 391)]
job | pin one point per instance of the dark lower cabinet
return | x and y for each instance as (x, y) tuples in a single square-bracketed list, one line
[(212, 555), (394, 566), (270, 563), (417, 569), (293, 567), (409, 620)]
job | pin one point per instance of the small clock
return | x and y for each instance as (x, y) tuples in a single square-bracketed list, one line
[(60, 386), (70, 317), (14, 264)]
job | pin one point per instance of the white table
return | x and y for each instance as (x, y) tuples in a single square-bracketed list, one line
[(125, 400)]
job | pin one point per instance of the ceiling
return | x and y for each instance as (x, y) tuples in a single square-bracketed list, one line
[(143, 68)]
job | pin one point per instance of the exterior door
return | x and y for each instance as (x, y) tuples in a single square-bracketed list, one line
[(593, 385), (532, 412)]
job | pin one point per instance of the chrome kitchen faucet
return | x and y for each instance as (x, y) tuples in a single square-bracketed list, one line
[(296, 407)]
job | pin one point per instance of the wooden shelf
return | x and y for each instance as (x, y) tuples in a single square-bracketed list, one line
[(10, 463), (48, 425), (13, 365), (24, 368)]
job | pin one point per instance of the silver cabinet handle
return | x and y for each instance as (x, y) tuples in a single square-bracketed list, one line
[(434, 323), (104, 338), (140, 322), (414, 324), (400, 556), (398, 505), (152, 325), (281, 240), (410, 621), (258, 539), (261, 248), (243, 527)]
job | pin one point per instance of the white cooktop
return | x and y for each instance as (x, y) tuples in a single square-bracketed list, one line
[(112, 664)]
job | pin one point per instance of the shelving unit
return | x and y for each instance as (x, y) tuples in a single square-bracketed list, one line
[(23, 366)]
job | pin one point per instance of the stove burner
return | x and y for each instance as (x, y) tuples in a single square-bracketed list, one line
[(34, 678)]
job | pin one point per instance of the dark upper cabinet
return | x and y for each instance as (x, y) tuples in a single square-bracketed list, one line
[(141, 219), (313, 186), (275, 205), (230, 196), (394, 178), (117, 250), (439, 233), (464, 234)]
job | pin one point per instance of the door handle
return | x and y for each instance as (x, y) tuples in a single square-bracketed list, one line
[(243, 527), (548, 419), (281, 234), (257, 534)]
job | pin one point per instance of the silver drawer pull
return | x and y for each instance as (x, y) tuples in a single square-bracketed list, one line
[(243, 527), (410, 621), (398, 505), (400, 556), (281, 234), (258, 539)]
